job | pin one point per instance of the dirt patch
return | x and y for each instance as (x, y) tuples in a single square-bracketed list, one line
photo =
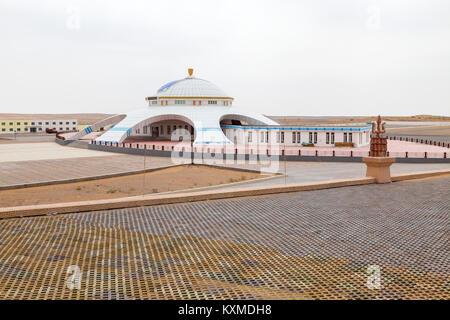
[(170, 179), (425, 131)]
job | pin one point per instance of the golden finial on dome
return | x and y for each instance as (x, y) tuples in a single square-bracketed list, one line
[(190, 71)]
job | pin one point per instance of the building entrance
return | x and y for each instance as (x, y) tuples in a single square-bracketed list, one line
[(155, 132)]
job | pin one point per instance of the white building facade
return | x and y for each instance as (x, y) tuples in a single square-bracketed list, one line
[(209, 116)]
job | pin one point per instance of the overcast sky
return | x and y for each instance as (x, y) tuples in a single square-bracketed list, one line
[(302, 57)]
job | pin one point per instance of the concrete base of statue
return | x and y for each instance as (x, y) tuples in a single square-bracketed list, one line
[(379, 168)]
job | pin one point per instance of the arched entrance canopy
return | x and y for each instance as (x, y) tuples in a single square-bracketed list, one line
[(205, 120)]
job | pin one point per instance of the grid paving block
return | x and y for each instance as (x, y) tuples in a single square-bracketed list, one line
[(302, 245)]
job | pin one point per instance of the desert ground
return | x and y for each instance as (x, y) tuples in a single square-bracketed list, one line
[(90, 118), (83, 118), (170, 179)]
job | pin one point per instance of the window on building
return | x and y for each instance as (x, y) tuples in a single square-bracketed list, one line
[(74, 122), (40, 129), (3, 129), (3, 123), (10, 123), (212, 101), (310, 137), (162, 130), (315, 137), (327, 141), (332, 138), (262, 136), (26, 129), (250, 136), (180, 101), (54, 123), (298, 137), (278, 137), (74, 128), (10, 129), (294, 137), (18, 129), (174, 127), (345, 136), (194, 102), (18, 123), (67, 129), (282, 136), (48, 123), (267, 136), (168, 129), (145, 130), (200, 102), (25, 123), (350, 137)]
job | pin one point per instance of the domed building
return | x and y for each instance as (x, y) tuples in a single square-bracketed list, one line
[(194, 104), (207, 115)]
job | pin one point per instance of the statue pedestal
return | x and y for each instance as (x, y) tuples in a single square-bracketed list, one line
[(379, 168)]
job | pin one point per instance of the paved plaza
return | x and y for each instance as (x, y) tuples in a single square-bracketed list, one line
[(42, 171), (303, 245), (13, 152)]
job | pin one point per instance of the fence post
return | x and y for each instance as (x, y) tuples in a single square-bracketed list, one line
[(351, 153), (317, 153), (334, 153), (406, 154), (445, 155), (425, 154)]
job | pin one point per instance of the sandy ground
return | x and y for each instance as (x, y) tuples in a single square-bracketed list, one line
[(170, 179), (425, 131), (44, 151), (83, 118), (312, 120)]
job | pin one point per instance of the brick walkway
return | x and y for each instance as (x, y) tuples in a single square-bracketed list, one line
[(23, 172), (315, 245)]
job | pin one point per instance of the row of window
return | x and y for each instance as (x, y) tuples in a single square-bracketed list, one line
[(296, 137), (35, 129), (194, 102), (145, 129), (34, 123)]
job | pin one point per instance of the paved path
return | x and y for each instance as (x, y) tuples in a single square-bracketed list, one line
[(299, 172), (24, 172), (43, 151), (315, 244)]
